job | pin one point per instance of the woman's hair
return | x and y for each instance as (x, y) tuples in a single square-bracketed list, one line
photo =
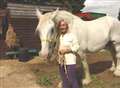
[(62, 23)]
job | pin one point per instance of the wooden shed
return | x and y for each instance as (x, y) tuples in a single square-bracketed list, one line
[(24, 22)]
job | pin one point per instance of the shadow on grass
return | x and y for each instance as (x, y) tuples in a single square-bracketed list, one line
[(99, 67)]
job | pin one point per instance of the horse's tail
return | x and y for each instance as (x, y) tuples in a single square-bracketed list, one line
[(119, 15)]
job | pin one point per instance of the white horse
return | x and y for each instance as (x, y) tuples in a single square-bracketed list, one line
[(92, 35)]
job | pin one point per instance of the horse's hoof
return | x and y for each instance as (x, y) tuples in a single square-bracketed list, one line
[(112, 69), (86, 81), (117, 73)]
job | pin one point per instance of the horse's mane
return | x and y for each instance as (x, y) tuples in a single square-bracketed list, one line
[(66, 15), (62, 14)]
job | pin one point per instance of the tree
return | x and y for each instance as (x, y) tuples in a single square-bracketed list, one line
[(3, 4), (77, 5), (72, 5)]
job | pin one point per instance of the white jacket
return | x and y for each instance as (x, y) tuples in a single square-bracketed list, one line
[(69, 40)]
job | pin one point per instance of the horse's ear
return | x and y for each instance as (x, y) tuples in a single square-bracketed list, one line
[(55, 13), (38, 13)]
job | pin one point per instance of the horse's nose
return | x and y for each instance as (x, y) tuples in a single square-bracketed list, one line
[(43, 55)]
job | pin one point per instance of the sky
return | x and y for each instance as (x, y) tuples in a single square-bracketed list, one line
[(110, 7)]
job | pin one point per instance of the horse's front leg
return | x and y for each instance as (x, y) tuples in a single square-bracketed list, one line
[(112, 50), (87, 77), (117, 69)]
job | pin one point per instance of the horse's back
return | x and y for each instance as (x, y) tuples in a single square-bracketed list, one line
[(99, 32)]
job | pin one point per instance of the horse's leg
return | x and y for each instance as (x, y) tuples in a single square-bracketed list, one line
[(112, 68), (87, 78), (117, 70), (112, 50), (115, 37)]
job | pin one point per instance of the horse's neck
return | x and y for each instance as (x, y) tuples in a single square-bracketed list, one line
[(67, 16)]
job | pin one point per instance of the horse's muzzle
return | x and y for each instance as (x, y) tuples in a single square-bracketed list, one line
[(43, 55)]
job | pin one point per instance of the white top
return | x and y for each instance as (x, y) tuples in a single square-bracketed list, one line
[(69, 40)]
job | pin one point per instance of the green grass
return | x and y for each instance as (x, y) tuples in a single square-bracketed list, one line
[(44, 81), (48, 76), (48, 80)]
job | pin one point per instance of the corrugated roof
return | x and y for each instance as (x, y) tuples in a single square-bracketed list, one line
[(28, 11)]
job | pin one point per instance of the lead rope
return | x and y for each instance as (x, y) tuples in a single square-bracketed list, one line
[(63, 63), (65, 66)]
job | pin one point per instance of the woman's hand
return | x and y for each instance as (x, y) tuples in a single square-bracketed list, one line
[(64, 50)]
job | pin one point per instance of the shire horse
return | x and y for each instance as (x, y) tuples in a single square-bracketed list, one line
[(92, 35)]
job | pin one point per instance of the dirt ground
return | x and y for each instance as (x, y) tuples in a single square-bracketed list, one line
[(16, 74)]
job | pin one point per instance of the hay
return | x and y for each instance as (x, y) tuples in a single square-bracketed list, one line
[(11, 38)]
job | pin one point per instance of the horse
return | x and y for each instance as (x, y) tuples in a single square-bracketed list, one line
[(93, 36)]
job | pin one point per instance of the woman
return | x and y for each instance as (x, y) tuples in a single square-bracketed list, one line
[(67, 58)]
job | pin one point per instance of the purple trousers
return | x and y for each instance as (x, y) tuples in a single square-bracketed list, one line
[(70, 79)]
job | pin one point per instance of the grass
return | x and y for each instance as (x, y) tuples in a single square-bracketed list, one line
[(48, 76), (44, 81), (48, 80)]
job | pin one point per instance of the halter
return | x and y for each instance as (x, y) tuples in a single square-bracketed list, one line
[(53, 42), (52, 39), (46, 40), (49, 40)]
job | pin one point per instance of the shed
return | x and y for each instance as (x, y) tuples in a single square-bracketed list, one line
[(24, 21)]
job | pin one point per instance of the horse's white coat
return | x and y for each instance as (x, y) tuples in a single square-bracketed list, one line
[(92, 35)]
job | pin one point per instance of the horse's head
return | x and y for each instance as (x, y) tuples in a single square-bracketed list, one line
[(47, 33)]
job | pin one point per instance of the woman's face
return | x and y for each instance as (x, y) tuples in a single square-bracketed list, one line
[(63, 27)]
